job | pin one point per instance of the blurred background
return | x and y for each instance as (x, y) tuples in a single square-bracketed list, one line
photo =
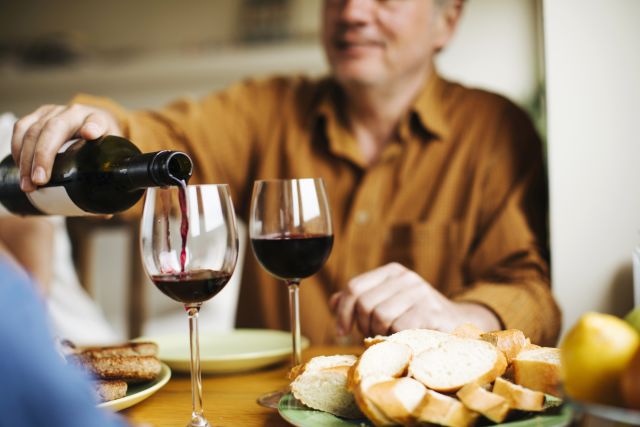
[(572, 64)]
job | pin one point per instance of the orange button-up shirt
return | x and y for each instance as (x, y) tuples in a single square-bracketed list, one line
[(459, 197)]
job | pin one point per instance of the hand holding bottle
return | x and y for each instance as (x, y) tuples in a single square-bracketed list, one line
[(38, 136)]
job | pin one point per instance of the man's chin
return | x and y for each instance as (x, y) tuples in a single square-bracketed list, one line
[(358, 77)]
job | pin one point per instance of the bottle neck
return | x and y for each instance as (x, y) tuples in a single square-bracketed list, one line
[(158, 169)]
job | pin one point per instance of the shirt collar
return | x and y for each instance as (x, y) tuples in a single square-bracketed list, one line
[(431, 108), (429, 112)]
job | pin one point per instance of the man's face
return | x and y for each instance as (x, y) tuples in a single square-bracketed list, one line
[(377, 42)]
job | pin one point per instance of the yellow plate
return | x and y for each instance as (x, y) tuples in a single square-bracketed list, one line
[(227, 352), (139, 392)]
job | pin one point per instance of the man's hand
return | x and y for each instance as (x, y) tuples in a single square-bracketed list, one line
[(392, 298), (38, 136)]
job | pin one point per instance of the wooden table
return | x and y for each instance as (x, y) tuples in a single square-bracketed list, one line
[(229, 400)]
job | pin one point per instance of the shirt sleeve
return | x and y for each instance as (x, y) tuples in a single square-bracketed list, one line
[(37, 387), (221, 132), (508, 264)]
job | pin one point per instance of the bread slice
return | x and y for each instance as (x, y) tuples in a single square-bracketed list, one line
[(108, 390), (398, 399), (322, 384), (132, 369), (136, 348), (468, 330), (456, 362), (510, 342), (519, 397), (420, 340), (444, 410), (538, 369), (491, 405), (380, 362)]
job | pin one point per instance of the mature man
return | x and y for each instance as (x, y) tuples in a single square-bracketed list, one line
[(438, 191)]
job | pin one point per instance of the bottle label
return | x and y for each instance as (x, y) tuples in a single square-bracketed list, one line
[(55, 201)]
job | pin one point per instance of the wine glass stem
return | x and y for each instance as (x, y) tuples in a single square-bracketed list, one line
[(197, 417), (294, 312)]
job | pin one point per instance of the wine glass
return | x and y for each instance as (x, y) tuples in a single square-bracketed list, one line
[(189, 244), (291, 236)]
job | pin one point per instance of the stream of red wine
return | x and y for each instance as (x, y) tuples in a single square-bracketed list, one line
[(184, 224)]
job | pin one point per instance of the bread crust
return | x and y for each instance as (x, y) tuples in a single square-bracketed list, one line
[(538, 374), (510, 342), (519, 397), (491, 405), (132, 369)]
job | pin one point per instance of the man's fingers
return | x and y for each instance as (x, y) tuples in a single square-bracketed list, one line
[(344, 312), (29, 145), (21, 127), (368, 301), (413, 290), (93, 127)]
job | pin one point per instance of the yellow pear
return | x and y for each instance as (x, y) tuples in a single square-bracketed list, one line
[(593, 356)]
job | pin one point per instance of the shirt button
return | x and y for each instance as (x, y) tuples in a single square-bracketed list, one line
[(362, 217)]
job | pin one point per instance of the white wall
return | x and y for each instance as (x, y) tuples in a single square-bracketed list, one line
[(593, 93)]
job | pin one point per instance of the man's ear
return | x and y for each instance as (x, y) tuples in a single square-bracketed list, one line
[(446, 22)]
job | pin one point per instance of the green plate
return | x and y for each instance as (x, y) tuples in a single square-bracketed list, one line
[(299, 415)]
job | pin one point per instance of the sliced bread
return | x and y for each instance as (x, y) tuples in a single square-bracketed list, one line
[(108, 390), (456, 362), (398, 399), (379, 363), (420, 340), (538, 369), (437, 408), (491, 405), (519, 397), (468, 330), (322, 384)]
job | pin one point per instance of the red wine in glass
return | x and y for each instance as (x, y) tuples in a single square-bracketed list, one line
[(192, 287), (292, 256), (195, 267)]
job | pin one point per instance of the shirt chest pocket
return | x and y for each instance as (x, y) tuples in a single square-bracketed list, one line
[(433, 250)]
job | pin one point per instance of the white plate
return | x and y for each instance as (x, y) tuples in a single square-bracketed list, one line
[(139, 392), (227, 352)]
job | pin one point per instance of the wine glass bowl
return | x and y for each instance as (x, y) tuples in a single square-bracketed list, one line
[(291, 236), (189, 247)]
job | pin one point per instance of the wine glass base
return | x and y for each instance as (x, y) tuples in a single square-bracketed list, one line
[(198, 421), (271, 400)]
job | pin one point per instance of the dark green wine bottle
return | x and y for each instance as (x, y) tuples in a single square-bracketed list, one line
[(102, 176)]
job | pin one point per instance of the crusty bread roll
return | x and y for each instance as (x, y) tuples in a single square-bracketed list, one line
[(491, 405), (322, 384), (108, 390), (437, 408), (519, 397), (538, 369), (458, 361)]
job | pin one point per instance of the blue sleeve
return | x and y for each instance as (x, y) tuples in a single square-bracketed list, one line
[(36, 387)]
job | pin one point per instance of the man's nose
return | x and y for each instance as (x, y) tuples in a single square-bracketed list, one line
[(357, 11)]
